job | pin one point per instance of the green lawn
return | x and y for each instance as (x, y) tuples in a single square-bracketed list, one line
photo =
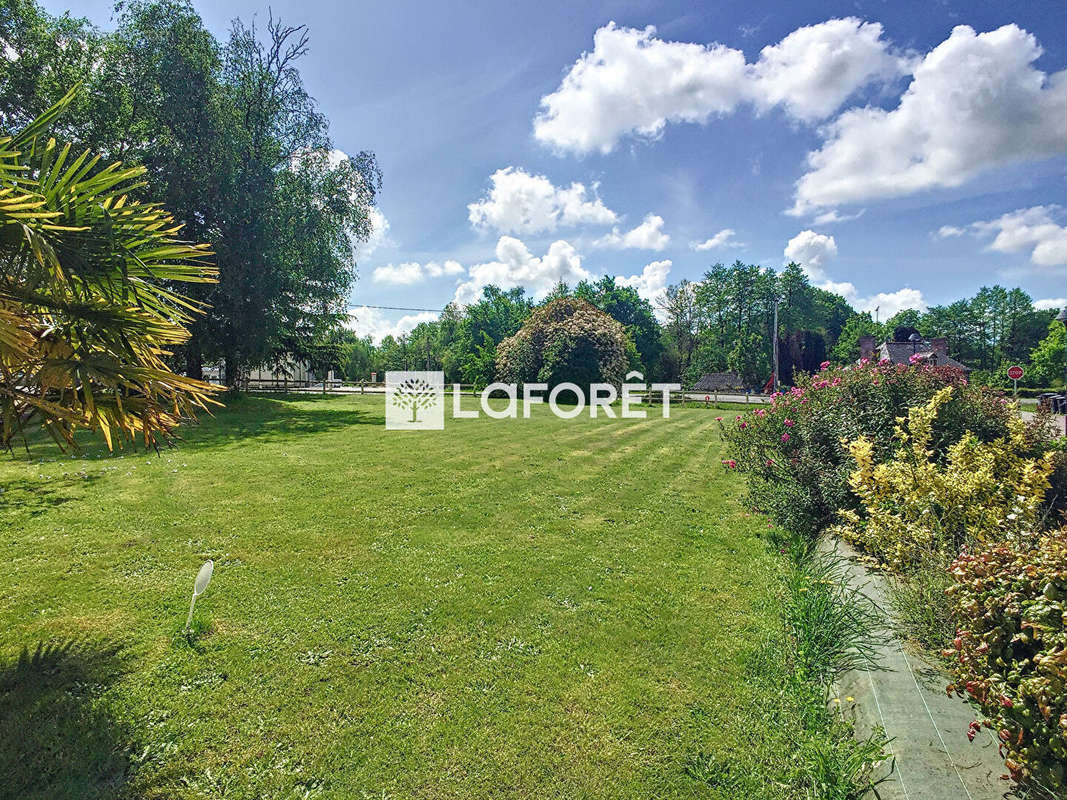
[(520, 608)]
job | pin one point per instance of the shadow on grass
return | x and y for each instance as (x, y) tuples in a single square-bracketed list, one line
[(267, 417), (34, 497), (245, 416), (55, 740)]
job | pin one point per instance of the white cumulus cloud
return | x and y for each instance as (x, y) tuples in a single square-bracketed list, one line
[(633, 83), (1050, 303), (651, 284), (411, 272), (814, 250), (516, 266), (724, 238), (518, 202), (975, 102), (811, 250), (379, 235), (886, 303), (648, 235), (374, 323), (814, 69), (1030, 230)]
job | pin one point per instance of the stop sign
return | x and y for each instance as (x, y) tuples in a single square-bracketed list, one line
[(1015, 373)]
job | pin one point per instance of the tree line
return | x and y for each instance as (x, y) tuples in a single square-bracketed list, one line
[(725, 323)]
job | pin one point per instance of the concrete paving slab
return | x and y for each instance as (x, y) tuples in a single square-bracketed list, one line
[(927, 728)]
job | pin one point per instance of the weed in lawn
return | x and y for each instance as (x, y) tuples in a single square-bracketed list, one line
[(833, 625), (921, 608)]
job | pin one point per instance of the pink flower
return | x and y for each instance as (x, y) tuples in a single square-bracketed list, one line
[(837, 382), (864, 362), (743, 425), (785, 437), (730, 463), (789, 423), (718, 419), (824, 365), (770, 462)]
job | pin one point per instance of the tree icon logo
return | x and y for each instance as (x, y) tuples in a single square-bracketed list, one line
[(415, 394), (414, 400)]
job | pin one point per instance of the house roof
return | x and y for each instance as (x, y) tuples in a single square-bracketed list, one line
[(901, 353), (719, 381)]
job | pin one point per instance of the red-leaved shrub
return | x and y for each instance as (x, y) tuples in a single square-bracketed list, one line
[(1009, 604)]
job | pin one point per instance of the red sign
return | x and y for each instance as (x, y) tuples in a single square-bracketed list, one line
[(1015, 373)]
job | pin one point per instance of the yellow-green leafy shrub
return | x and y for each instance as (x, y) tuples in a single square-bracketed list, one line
[(912, 504), (1009, 603)]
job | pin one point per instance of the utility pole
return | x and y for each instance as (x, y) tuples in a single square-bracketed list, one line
[(777, 383)]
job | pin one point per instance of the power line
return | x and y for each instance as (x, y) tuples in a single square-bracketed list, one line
[(399, 308)]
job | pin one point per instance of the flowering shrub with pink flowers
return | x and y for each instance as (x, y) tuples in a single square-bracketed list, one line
[(795, 452)]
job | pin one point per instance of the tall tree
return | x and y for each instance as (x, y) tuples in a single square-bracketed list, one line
[(43, 57), (1047, 358), (636, 314), (680, 327), (496, 316), (847, 348)]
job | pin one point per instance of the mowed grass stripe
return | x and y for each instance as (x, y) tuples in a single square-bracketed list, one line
[(529, 608)]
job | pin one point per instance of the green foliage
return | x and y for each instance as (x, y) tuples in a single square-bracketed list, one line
[(1009, 603), (233, 145), (847, 348), (748, 358), (914, 503), (833, 626), (625, 305), (567, 339), (920, 606), (357, 359), (88, 309), (1047, 359), (795, 453), (47, 66), (483, 326)]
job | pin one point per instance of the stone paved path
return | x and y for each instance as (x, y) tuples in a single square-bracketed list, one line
[(933, 759)]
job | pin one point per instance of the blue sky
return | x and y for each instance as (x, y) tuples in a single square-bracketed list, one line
[(902, 159)]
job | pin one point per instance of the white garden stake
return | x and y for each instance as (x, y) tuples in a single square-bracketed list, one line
[(203, 578)]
